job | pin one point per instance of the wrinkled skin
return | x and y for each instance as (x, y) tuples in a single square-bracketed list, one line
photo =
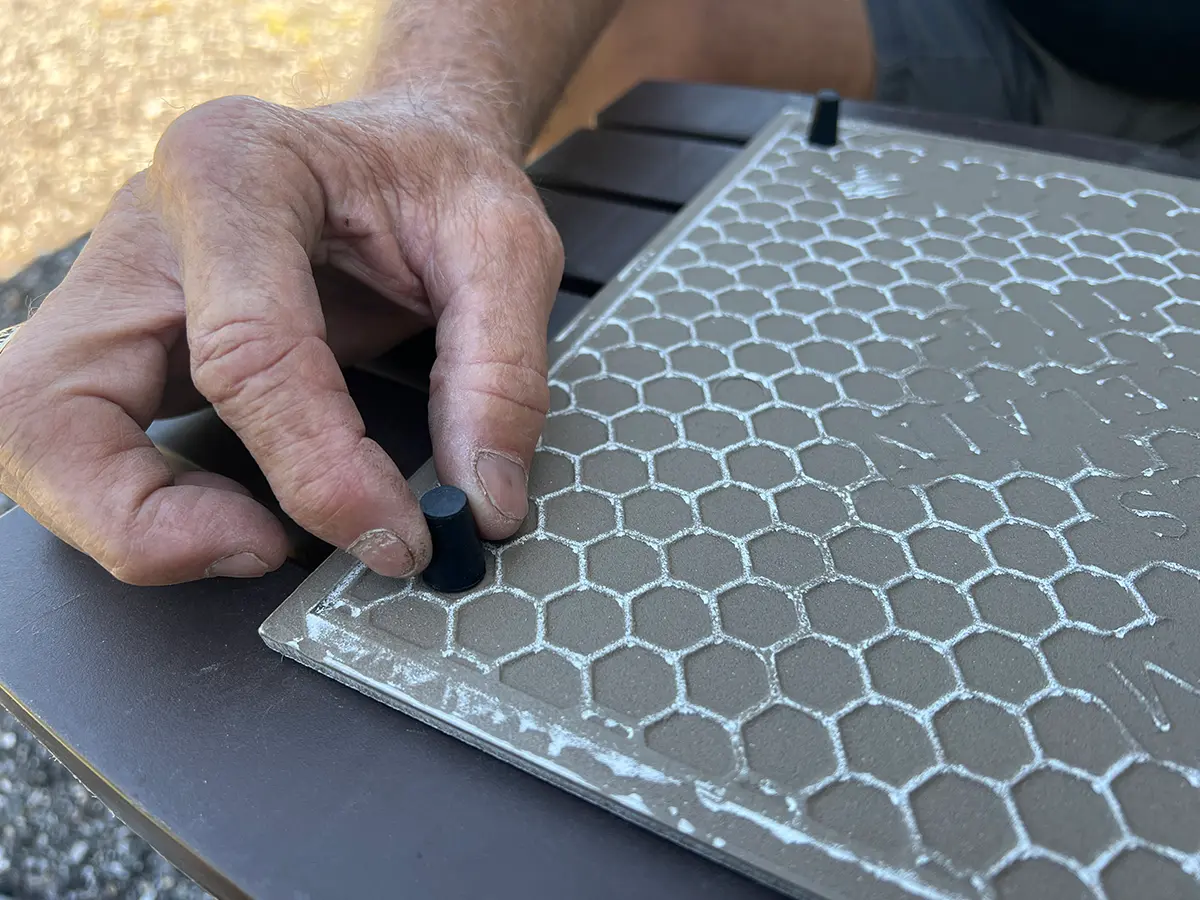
[(198, 286)]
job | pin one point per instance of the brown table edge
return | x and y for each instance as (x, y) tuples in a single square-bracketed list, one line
[(147, 827)]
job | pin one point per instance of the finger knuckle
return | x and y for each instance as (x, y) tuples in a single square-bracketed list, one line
[(212, 120), (525, 222), (518, 383), (240, 360), (317, 496), (130, 196), (513, 234), (12, 388), (513, 381), (204, 141), (545, 237)]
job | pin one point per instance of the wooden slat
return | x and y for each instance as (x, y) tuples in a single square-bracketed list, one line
[(600, 236), (726, 114), (643, 169), (734, 115)]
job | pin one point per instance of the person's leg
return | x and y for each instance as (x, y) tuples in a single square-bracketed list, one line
[(796, 45), (963, 57), (1069, 101)]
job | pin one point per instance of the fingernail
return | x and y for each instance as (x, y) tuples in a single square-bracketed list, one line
[(504, 485), (240, 565), (384, 552)]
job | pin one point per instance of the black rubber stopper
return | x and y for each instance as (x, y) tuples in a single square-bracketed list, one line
[(823, 127), (458, 564)]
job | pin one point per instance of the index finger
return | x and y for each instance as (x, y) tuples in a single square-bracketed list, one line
[(256, 335)]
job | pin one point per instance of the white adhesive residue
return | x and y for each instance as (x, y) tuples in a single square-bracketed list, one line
[(628, 767), (612, 723), (327, 634), (866, 184), (618, 763), (323, 631), (609, 723), (686, 827), (714, 800), (634, 801), (405, 672), (410, 673), (469, 703)]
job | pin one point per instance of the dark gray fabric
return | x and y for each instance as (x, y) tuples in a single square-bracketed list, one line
[(970, 57), (953, 56), (1146, 46)]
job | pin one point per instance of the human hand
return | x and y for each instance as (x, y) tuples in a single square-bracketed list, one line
[(197, 285)]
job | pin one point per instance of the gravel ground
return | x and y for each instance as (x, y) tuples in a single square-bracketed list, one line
[(57, 841)]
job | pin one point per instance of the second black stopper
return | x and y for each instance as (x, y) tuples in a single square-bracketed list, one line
[(458, 562), (823, 127)]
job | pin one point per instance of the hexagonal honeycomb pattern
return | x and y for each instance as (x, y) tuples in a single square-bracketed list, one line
[(866, 534)]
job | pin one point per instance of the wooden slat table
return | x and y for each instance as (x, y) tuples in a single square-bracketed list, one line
[(261, 778)]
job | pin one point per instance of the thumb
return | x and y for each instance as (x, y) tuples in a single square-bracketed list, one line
[(492, 281)]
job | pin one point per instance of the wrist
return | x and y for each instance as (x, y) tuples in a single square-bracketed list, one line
[(489, 111)]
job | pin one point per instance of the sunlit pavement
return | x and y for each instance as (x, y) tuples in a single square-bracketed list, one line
[(87, 86)]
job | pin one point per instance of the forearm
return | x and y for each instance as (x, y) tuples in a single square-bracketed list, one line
[(500, 64)]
